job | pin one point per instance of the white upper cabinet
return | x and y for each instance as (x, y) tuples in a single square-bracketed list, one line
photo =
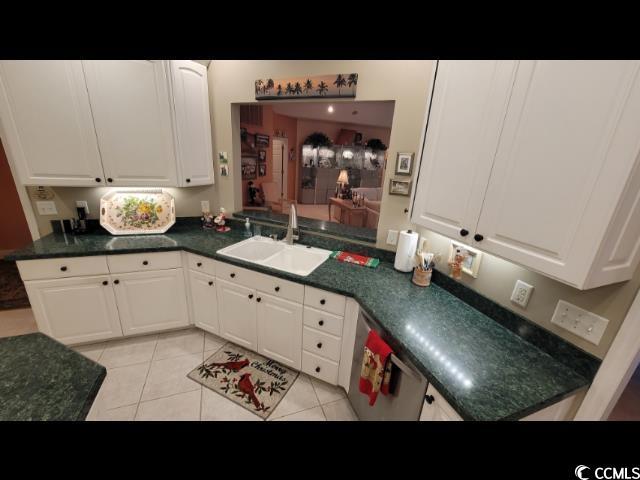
[(468, 106), (192, 122), (47, 128), (131, 110), (561, 194)]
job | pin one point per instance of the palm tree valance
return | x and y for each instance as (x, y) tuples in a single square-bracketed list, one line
[(341, 85)]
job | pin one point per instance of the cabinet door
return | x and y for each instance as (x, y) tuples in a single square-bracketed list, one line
[(46, 117), (75, 310), (467, 109), (552, 190), (280, 330), (237, 313), (204, 301), (436, 408), (151, 301), (192, 121), (132, 114)]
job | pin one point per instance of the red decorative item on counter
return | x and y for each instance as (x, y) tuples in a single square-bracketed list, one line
[(355, 258)]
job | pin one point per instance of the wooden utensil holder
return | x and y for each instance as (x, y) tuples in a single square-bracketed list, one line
[(422, 278)]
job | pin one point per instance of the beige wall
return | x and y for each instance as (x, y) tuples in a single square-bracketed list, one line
[(405, 82)]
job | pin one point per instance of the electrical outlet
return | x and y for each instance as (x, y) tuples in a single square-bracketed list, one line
[(580, 322), (392, 237), (46, 208), (204, 206), (83, 204), (521, 293)]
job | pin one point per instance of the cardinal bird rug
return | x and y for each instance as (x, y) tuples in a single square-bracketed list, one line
[(246, 378)]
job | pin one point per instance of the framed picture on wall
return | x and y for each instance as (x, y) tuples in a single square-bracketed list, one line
[(248, 165), (262, 155), (471, 263), (404, 163), (262, 140), (262, 169), (400, 187)]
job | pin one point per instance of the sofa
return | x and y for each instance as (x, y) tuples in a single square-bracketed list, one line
[(372, 198)]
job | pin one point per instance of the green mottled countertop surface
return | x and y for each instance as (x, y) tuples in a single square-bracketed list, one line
[(41, 379), (484, 370)]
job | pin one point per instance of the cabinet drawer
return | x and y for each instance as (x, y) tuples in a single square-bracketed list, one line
[(327, 301), (321, 344), (319, 367), (323, 321), (198, 263), (62, 267), (280, 288), (139, 262), (241, 276)]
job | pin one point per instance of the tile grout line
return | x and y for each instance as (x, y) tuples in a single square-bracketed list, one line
[(145, 379), (317, 397)]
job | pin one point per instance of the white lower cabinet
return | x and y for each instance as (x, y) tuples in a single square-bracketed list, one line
[(204, 301), (75, 310), (151, 301), (280, 330), (436, 408), (237, 313)]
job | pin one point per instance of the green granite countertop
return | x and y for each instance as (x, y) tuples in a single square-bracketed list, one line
[(41, 379), (484, 370)]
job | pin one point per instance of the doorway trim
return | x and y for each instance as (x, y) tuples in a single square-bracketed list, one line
[(284, 181), (616, 369)]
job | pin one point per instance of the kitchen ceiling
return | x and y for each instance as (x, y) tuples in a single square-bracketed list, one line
[(379, 114)]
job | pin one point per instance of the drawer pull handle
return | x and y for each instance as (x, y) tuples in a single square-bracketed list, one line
[(232, 275), (116, 282), (98, 179), (429, 399), (145, 262), (317, 369), (258, 299), (323, 301), (199, 264), (321, 322), (110, 180), (104, 282), (277, 289), (319, 345), (250, 296), (210, 283), (64, 269), (188, 180), (464, 232), (477, 237)]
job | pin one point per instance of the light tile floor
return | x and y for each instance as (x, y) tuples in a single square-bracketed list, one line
[(146, 380)]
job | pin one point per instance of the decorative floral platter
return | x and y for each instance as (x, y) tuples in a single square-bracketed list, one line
[(136, 212)]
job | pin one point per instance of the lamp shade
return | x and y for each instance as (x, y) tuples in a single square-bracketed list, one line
[(343, 177)]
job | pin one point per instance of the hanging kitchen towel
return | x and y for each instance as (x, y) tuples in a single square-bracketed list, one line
[(349, 257), (376, 367)]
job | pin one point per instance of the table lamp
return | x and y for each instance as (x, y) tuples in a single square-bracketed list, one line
[(343, 179)]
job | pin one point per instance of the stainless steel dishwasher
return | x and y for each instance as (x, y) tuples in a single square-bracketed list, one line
[(407, 386)]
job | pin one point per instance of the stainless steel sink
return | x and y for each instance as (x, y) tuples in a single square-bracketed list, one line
[(296, 259)]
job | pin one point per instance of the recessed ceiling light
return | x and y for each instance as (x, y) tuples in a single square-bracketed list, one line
[(330, 109)]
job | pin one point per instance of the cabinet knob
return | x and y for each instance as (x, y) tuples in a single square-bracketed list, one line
[(317, 369), (464, 232), (323, 301), (477, 237), (429, 399), (277, 289), (258, 299), (232, 275), (116, 282), (98, 179), (210, 283), (104, 282), (64, 269), (110, 180), (321, 322), (199, 264), (319, 345), (251, 295), (188, 180), (146, 262)]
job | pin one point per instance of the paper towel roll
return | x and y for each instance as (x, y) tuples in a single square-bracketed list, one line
[(405, 253)]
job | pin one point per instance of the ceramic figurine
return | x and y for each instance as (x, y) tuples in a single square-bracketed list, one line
[(456, 263), (220, 221), (207, 220)]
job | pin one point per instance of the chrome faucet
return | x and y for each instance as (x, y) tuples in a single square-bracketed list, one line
[(293, 224)]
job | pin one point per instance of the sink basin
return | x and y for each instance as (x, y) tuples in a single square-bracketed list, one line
[(296, 259)]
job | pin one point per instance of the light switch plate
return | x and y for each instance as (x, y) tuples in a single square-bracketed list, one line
[(81, 204), (47, 208), (204, 206), (521, 293), (580, 322), (392, 237)]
